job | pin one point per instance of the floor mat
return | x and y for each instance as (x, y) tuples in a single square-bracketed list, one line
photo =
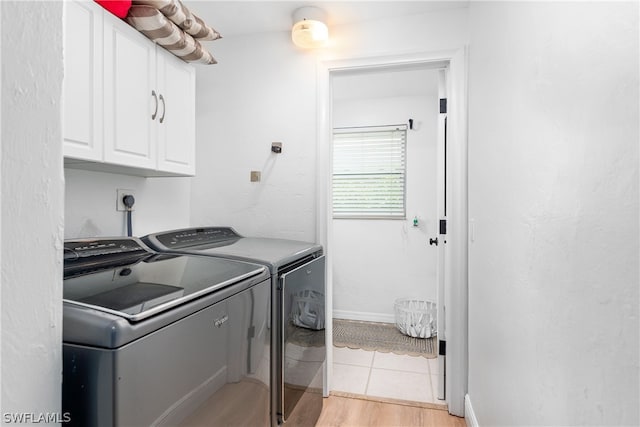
[(384, 337)]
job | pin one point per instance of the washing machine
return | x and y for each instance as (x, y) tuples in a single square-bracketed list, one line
[(158, 339), (297, 270)]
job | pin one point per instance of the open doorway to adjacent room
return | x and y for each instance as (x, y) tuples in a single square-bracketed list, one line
[(385, 210), (379, 260)]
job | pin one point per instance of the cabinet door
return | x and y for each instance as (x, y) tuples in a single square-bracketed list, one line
[(131, 97), (83, 80), (176, 124)]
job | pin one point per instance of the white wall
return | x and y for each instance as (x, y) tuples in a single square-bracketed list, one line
[(447, 29), (90, 204), (32, 210), (377, 261), (264, 90), (553, 184), (261, 91)]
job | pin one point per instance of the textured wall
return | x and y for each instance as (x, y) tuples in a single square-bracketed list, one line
[(553, 187), (261, 91), (32, 209), (90, 204)]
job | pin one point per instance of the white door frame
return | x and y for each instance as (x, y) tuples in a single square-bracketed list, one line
[(456, 249)]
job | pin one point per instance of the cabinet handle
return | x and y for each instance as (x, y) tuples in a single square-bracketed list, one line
[(164, 108), (155, 112)]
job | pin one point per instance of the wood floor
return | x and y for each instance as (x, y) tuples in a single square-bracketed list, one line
[(356, 412)]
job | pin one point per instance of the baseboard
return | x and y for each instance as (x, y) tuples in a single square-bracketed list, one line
[(364, 316), (469, 415), (425, 405)]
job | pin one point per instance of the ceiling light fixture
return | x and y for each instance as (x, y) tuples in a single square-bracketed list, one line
[(309, 27)]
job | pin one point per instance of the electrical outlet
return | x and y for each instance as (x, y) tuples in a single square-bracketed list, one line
[(255, 176), (120, 193)]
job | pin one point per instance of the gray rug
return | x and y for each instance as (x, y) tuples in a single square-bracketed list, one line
[(383, 337)]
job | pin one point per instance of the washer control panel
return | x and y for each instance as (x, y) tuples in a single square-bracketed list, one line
[(88, 255), (190, 237), (76, 249)]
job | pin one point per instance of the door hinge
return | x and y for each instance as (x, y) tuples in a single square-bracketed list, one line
[(443, 226), (443, 105), (442, 348)]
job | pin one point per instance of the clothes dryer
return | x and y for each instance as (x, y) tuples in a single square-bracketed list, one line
[(297, 271)]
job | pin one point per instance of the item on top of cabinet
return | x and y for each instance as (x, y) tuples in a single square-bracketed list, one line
[(180, 15), (155, 26), (117, 7)]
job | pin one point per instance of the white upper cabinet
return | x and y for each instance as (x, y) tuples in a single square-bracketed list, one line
[(129, 104), (83, 81), (130, 96), (177, 121)]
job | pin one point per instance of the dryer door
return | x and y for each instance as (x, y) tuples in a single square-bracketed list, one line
[(303, 339)]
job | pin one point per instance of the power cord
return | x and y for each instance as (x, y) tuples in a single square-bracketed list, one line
[(128, 201)]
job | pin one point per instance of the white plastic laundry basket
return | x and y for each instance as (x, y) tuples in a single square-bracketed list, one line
[(416, 318)]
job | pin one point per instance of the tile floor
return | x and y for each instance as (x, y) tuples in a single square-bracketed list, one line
[(386, 375)]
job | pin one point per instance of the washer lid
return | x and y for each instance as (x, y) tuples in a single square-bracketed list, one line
[(138, 283)]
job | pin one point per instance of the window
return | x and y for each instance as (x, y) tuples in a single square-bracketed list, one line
[(369, 172)]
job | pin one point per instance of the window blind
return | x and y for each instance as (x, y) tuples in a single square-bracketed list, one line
[(369, 170)]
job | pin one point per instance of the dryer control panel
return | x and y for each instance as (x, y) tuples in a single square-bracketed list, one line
[(191, 237)]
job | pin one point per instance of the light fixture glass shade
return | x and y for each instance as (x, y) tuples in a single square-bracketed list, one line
[(309, 28)]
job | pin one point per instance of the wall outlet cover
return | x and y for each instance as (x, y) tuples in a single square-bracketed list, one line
[(120, 193)]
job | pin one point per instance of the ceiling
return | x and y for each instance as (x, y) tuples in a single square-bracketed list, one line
[(233, 18)]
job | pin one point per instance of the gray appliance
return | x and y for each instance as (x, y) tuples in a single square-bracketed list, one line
[(298, 291), (158, 339)]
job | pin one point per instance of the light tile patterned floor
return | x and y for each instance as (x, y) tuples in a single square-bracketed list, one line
[(386, 375)]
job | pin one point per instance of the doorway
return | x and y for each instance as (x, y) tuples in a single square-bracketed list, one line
[(370, 106), (455, 264), (385, 210)]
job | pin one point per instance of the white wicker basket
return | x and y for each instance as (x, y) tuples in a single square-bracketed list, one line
[(416, 318)]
